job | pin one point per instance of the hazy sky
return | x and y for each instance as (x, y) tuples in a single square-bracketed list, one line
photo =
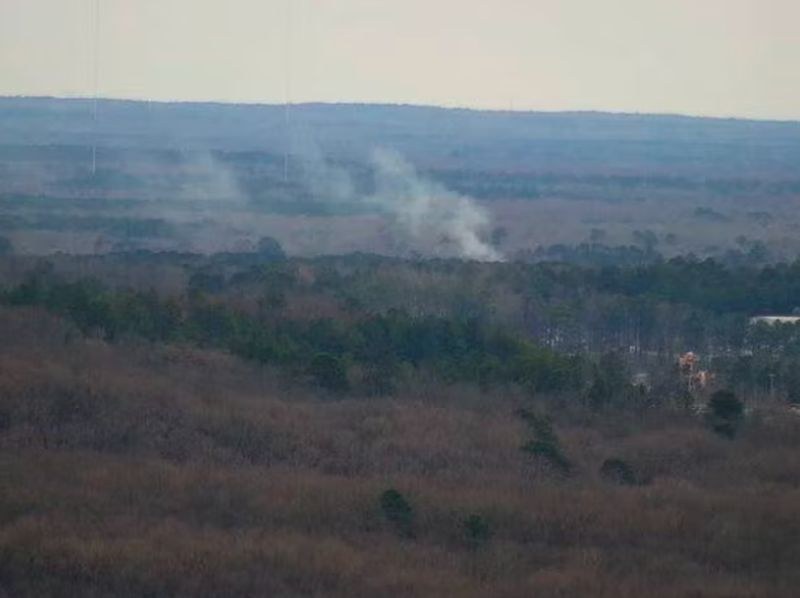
[(713, 57)]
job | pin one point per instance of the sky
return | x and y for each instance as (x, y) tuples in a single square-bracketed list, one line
[(703, 57)]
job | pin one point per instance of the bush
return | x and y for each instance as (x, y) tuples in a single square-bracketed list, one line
[(476, 530), (397, 510), (540, 425), (329, 373), (550, 454), (619, 472), (725, 413), (269, 248), (379, 380), (609, 382), (545, 446)]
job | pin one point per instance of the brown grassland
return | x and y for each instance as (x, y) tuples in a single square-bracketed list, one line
[(142, 470)]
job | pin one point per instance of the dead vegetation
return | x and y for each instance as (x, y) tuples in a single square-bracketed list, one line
[(140, 469)]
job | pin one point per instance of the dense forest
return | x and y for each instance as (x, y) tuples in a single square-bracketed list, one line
[(540, 325)]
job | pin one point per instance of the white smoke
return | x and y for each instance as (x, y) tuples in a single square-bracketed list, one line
[(428, 211), (429, 216), (202, 177)]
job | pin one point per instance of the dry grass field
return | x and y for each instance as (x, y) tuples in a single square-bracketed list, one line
[(144, 470)]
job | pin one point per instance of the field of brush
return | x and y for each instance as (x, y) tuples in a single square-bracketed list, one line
[(209, 178), (137, 470), (139, 467)]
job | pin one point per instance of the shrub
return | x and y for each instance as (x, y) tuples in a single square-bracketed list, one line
[(549, 453), (329, 372), (379, 380), (545, 446), (609, 381), (619, 472), (540, 425), (725, 413), (269, 248), (476, 530), (398, 511)]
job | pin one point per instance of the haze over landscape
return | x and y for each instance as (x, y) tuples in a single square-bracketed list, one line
[(366, 298)]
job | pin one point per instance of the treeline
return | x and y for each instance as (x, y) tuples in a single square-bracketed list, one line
[(708, 284), (376, 323), (374, 350), (666, 306), (531, 185), (648, 313), (122, 227)]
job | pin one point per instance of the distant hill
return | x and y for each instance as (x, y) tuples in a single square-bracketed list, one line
[(530, 142)]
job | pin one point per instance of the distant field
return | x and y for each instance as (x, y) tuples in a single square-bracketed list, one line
[(520, 227), (211, 178)]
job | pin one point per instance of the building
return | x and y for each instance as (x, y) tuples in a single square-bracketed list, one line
[(772, 320)]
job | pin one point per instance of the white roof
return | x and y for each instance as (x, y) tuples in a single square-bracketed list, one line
[(775, 319)]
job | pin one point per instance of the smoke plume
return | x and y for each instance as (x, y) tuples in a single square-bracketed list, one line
[(429, 211), (427, 215)]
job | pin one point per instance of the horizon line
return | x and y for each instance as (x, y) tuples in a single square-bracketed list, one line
[(399, 104)]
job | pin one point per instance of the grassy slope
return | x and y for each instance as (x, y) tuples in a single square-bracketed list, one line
[(135, 470)]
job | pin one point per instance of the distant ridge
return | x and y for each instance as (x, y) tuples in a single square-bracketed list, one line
[(352, 104), (454, 138)]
